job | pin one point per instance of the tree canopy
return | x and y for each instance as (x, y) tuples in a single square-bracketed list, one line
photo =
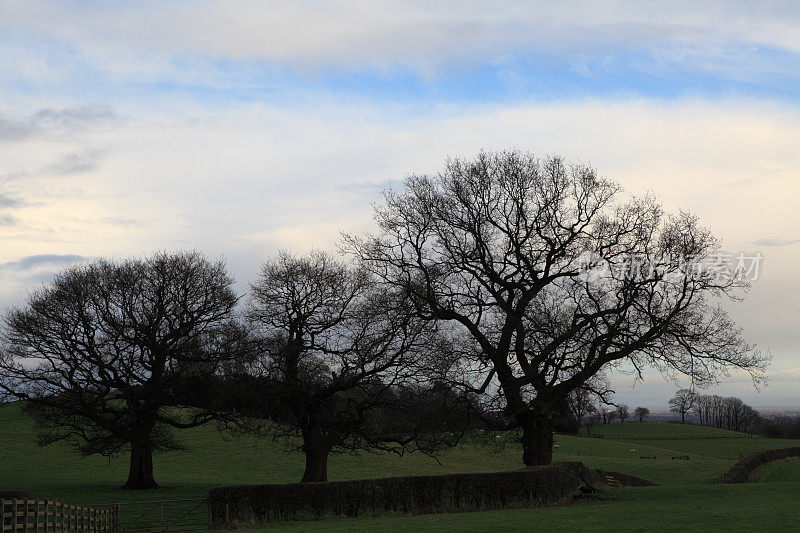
[(335, 351), (104, 353), (553, 277)]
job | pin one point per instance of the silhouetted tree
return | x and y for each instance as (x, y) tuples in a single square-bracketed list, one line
[(581, 404), (641, 413), (682, 403), (335, 349), (594, 419), (623, 412), (534, 261), (581, 400), (103, 354)]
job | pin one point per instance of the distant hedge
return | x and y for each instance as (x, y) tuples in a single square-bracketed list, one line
[(250, 504), (742, 472)]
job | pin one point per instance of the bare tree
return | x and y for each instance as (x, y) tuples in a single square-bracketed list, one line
[(581, 400), (335, 348), (641, 413), (623, 412), (581, 404), (594, 419), (682, 403), (101, 354), (503, 249)]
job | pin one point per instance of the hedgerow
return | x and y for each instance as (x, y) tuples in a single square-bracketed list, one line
[(742, 472), (248, 504)]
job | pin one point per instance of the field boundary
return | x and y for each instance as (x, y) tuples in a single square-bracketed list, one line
[(742, 472)]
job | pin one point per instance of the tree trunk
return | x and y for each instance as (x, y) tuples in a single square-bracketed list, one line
[(316, 449), (140, 474), (537, 436)]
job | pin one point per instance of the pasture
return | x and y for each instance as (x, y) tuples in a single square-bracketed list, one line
[(687, 496)]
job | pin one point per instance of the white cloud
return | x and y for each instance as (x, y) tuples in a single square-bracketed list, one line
[(138, 38)]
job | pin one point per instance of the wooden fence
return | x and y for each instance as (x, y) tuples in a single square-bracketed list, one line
[(44, 515)]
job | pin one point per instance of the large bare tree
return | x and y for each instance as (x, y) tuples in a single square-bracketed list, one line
[(334, 349), (548, 273), (683, 402), (103, 354)]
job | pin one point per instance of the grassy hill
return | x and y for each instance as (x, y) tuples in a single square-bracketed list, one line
[(213, 459)]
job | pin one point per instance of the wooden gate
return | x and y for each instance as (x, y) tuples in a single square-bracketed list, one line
[(161, 515)]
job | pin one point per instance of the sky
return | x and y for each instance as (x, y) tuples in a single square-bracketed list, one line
[(239, 128)]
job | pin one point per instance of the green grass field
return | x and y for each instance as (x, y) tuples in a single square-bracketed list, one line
[(785, 470), (213, 459)]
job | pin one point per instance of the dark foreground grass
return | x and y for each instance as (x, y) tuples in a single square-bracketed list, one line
[(754, 507)]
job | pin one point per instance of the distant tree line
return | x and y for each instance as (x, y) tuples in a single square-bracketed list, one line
[(778, 426), (725, 412), (715, 411)]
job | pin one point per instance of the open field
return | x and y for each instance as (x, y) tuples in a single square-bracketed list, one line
[(212, 459)]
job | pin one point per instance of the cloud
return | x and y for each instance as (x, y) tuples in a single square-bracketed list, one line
[(11, 130), (8, 220), (72, 117), (8, 201), (776, 242), (130, 40), (34, 262), (69, 120), (76, 162)]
